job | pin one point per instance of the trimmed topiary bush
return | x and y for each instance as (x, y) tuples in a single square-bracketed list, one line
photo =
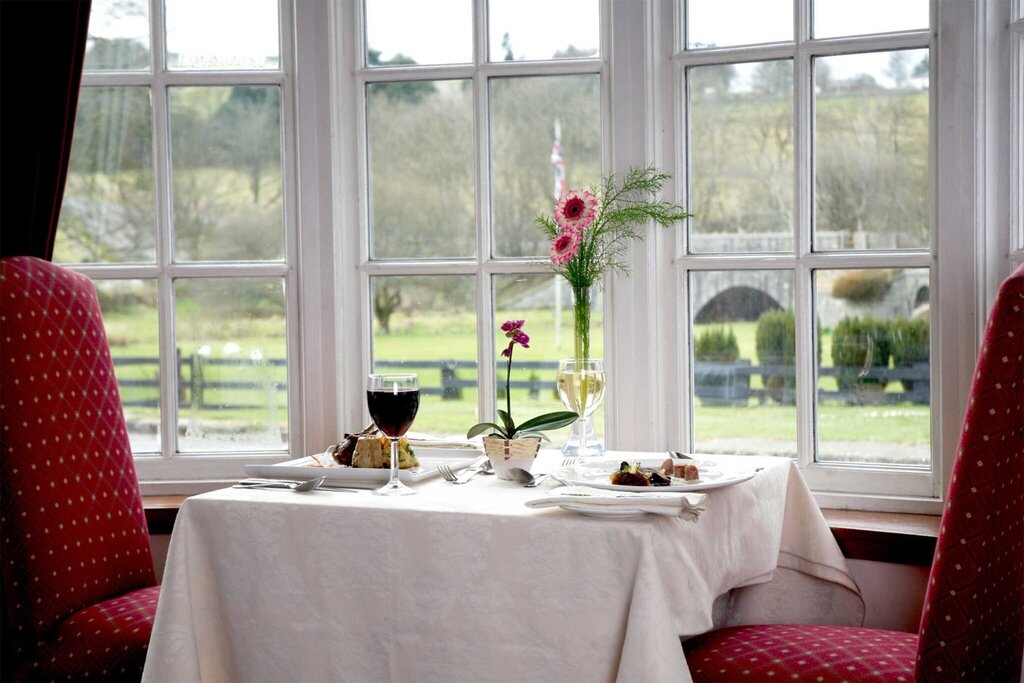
[(910, 344), (859, 344), (716, 345), (718, 379)]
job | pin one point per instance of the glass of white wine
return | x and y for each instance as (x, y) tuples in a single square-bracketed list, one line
[(581, 385)]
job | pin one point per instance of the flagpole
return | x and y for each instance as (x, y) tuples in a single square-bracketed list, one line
[(559, 165)]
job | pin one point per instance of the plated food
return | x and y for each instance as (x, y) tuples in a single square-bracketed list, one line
[(636, 475), (368, 449)]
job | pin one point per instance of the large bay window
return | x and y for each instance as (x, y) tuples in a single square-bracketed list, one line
[(384, 158)]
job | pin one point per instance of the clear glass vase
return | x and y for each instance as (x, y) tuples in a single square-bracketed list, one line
[(581, 381)]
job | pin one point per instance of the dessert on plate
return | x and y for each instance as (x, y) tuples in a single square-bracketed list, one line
[(367, 449), (635, 475)]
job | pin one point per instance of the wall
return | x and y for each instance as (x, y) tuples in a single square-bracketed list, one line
[(893, 593)]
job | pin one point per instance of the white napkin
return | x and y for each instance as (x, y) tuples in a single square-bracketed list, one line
[(685, 505), (427, 441)]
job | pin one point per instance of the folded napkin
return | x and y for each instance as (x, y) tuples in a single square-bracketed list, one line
[(427, 441), (685, 505)]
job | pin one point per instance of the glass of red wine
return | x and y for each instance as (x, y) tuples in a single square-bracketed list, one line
[(393, 401)]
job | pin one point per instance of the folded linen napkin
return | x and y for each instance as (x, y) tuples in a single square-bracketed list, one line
[(685, 505), (427, 441)]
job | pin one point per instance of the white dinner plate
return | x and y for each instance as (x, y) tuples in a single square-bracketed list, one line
[(596, 473), (430, 458), (607, 512)]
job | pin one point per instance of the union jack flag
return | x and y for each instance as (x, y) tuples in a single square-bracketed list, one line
[(558, 162)]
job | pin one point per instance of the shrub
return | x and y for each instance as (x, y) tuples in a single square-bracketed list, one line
[(775, 338), (716, 345), (910, 344), (775, 341), (859, 344), (861, 286)]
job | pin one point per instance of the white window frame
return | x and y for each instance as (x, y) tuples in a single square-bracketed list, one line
[(804, 261), (649, 404), (955, 252), (328, 267), (356, 267), (171, 471), (1016, 105)]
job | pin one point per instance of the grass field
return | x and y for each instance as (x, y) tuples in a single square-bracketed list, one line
[(441, 337)]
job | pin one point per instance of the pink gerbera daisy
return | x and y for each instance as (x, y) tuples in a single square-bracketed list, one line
[(575, 210), (565, 246)]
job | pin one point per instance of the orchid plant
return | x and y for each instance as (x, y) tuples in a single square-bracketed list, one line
[(591, 231), (534, 427)]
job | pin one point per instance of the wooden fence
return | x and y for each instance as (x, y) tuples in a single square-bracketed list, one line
[(714, 383)]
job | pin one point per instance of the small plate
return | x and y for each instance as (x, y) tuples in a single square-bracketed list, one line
[(430, 458), (596, 473), (611, 512)]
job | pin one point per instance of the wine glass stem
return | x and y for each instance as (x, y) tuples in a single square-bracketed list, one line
[(583, 436), (394, 462)]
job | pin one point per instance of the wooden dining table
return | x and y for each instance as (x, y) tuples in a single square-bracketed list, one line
[(467, 583)]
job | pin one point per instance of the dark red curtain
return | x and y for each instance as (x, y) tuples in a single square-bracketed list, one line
[(42, 47)]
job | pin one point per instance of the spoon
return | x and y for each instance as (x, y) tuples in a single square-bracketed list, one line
[(525, 478)]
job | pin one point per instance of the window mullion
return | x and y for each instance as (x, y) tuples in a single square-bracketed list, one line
[(803, 188), (486, 393), (164, 238)]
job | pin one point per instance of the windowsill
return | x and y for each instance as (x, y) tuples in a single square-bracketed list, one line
[(885, 536), (878, 536)]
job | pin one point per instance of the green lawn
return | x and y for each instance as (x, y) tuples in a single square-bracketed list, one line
[(441, 337)]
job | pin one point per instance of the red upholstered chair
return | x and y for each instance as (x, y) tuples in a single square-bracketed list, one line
[(79, 593), (972, 626)]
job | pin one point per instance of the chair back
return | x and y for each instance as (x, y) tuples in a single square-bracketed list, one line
[(71, 519), (972, 627)]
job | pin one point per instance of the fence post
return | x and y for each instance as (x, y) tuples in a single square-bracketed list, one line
[(178, 374), (196, 384), (450, 389)]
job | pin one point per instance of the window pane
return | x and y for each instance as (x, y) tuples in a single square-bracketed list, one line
[(871, 151), (427, 325), (130, 319), (226, 162), (545, 302), (741, 150), (109, 202), (744, 378), (534, 130), (448, 40), (536, 29), (232, 381), (422, 178), (718, 23), (118, 35), (845, 18), (874, 376), (226, 34)]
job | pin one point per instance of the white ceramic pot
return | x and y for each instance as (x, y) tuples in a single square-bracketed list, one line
[(505, 454)]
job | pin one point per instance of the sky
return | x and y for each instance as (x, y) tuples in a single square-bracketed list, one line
[(204, 33)]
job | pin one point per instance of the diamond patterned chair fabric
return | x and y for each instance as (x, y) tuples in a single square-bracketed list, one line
[(972, 625), (74, 535)]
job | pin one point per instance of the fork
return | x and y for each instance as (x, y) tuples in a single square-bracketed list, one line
[(566, 462), (447, 473), (463, 478)]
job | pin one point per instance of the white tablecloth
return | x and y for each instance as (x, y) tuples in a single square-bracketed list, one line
[(466, 583)]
